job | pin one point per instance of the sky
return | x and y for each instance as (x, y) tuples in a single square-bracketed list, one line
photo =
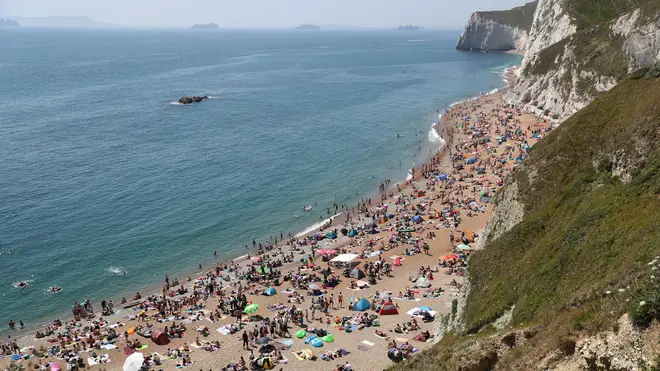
[(449, 14)]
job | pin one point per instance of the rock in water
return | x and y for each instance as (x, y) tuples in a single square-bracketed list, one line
[(193, 99)]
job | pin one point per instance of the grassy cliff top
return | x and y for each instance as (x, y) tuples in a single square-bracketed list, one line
[(591, 191), (520, 17)]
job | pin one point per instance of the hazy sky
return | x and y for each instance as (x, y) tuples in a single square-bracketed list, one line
[(261, 13)]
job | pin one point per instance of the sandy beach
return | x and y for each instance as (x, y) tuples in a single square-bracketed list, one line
[(430, 223)]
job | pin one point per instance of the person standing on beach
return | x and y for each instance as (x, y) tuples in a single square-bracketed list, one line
[(245, 340), (340, 299)]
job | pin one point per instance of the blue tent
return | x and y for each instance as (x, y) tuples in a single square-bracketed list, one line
[(316, 342), (471, 160), (270, 291), (425, 308), (443, 176), (417, 218), (352, 233), (331, 235), (362, 305)]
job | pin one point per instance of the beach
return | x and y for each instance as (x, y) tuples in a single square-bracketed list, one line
[(430, 223)]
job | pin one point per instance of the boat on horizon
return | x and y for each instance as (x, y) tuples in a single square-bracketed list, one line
[(408, 28), (208, 26), (308, 26)]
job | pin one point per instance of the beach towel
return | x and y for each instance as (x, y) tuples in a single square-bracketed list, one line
[(365, 345), (224, 330), (142, 347), (401, 340), (104, 358), (108, 346)]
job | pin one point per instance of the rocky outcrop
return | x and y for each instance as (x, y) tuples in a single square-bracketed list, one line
[(193, 99), (498, 30)]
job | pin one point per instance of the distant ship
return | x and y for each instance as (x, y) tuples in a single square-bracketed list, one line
[(308, 26), (408, 28), (210, 26), (6, 22)]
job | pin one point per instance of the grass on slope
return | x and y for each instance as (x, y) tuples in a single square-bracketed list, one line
[(584, 232), (520, 17)]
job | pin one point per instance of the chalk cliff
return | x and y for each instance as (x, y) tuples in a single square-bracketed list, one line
[(498, 30), (575, 52)]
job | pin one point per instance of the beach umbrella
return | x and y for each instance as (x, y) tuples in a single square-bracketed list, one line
[(134, 362), (449, 257), (251, 308), (314, 286), (463, 247), (270, 291)]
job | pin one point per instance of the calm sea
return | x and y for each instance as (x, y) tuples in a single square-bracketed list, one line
[(101, 174)]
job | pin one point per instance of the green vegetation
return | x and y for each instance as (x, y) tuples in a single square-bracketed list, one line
[(587, 13), (583, 249), (520, 17)]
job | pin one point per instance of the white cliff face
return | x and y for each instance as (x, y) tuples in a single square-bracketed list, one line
[(551, 24), (485, 34), (570, 84)]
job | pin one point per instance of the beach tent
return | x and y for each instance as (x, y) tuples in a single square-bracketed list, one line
[(265, 363), (344, 258), (388, 308), (159, 337), (471, 161), (352, 233), (301, 334), (443, 176), (329, 338), (331, 235), (316, 342), (251, 308), (422, 282), (356, 273), (270, 291), (133, 362), (417, 219), (362, 305)]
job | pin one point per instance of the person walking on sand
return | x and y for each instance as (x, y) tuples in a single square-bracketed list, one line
[(340, 299), (245, 340)]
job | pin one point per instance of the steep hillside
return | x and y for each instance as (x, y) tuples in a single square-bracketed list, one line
[(578, 48), (498, 30), (582, 264)]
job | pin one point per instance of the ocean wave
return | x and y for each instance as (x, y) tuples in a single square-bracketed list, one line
[(416, 41), (177, 104), (116, 271), (435, 138), (409, 176), (315, 226)]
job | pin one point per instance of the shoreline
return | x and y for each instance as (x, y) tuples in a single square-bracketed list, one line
[(440, 127)]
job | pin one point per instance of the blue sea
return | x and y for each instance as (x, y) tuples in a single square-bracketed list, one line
[(102, 174)]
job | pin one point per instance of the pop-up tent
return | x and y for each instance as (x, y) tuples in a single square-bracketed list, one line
[(422, 282), (270, 291), (362, 305), (388, 308), (331, 235), (159, 337), (356, 273)]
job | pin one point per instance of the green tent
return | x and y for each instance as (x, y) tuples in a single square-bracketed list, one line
[(251, 308), (301, 334), (329, 338)]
